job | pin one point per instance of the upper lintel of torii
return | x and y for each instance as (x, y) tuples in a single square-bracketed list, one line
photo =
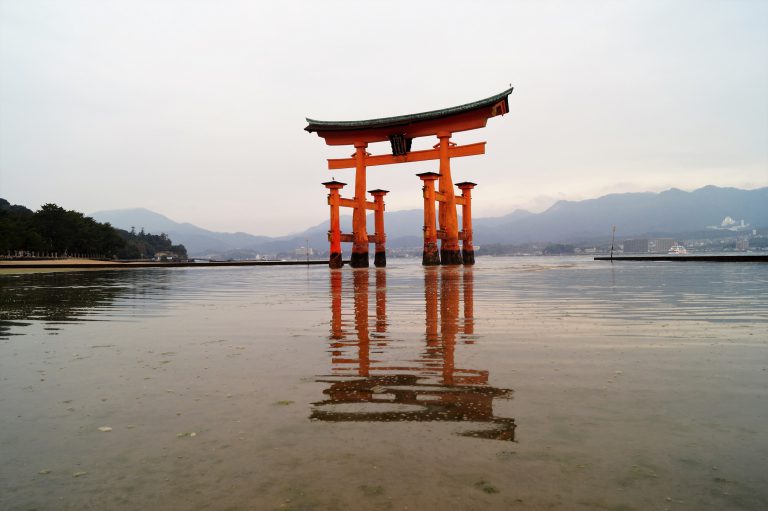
[(404, 128)]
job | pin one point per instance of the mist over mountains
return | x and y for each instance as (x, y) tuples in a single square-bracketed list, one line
[(669, 212)]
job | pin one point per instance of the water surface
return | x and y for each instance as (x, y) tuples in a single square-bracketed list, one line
[(521, 383)]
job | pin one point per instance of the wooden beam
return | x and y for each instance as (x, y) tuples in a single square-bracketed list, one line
[(440, 197), (349, 238), (413, 156), (351, 203)]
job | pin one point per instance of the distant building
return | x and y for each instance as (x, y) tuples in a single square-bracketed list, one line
[(166, 256), (661, 245), (638, 246), (742, 244), (304, 251), (729, 224)]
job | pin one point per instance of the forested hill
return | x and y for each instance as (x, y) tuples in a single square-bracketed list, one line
[(54, 230)]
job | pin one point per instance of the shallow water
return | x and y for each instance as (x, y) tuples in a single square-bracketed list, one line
[(522, 383)]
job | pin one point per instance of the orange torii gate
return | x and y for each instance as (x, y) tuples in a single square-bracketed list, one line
[(400, 132)]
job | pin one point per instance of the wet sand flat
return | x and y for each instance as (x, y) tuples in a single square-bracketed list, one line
[(11, 263), (10, 266), (521, 383)]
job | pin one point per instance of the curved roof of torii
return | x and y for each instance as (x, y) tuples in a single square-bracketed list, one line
[(404, 120)]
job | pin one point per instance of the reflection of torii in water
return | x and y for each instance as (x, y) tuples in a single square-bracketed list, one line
[(433, 389)]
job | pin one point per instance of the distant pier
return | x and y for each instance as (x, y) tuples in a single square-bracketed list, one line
[(723, 258)]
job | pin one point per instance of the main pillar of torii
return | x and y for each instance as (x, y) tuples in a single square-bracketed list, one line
[(455, 245)]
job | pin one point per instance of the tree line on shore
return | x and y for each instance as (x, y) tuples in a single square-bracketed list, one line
[(54, 230)]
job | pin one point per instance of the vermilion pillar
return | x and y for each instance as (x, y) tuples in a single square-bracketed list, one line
[(449, 225), (430, 255), (467, 249), (359, 258), (334, 234), (380, 257)]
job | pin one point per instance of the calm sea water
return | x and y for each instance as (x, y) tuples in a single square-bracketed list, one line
[(522, 383)]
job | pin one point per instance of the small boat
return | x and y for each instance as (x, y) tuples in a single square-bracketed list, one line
[(677, 250)]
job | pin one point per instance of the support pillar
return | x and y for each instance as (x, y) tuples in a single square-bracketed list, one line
[(449, 244), (334, 234), (380, 257), (359, 258), (430, 256), (467, 249)]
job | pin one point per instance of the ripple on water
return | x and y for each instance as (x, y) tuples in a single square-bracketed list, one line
[(548, 287)]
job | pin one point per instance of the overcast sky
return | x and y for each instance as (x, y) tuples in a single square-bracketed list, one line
[(195, 109)]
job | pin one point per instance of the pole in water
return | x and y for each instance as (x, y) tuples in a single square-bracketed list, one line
[(613, 235)]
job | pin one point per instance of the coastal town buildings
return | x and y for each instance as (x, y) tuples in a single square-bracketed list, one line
[(636, 246)]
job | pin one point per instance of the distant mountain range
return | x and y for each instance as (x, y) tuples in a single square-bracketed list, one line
[(669, 212), (198, 241)]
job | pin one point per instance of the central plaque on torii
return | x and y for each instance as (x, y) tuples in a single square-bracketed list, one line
[(400, 132)]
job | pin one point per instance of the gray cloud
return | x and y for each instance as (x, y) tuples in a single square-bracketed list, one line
[(196, 109)]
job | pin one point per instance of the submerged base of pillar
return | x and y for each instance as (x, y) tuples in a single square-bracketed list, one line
[(468, 256), (380, 259), (450, 257), (335, 260), (430, 257), (359, 260)]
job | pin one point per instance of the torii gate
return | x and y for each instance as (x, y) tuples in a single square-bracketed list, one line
[(400, 131)]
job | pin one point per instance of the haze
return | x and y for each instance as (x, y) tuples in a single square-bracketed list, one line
[(196, 109)]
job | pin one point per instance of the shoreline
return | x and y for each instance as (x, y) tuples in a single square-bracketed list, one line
[(91, 263), (75, 264)]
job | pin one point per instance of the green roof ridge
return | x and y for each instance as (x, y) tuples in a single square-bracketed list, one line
[(383, 122)]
